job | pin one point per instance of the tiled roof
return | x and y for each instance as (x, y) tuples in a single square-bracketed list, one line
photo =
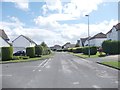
[(116, 26), (83, 40), (3, 35), (99, 35)]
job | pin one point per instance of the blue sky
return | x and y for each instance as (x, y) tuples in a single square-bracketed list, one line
[(57, 22)]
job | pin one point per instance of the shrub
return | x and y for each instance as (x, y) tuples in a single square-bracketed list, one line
[(70, 49), (46, 51), (65, 50), (77, 50), (111, 47), (30, 51), (25, 57), (38, 50), (93, 50), (7, 53), (16, 58)]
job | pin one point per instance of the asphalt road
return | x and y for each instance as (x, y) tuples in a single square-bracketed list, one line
[(61, 71)]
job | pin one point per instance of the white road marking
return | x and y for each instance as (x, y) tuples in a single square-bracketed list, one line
[(42, 64), (95, 86), (39, 70), (75, 83), (5, 75), (116, 81)]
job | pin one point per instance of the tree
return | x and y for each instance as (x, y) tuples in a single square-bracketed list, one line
[(43, 44), (77, 45), (38, 50)]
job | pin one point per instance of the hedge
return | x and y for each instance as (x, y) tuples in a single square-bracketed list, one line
[(7, 53), (111, 47), (77, 50), (93, 50), (38, 50), (30, 51), (46, 51)]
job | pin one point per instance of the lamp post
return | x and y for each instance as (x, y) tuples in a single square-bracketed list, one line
[(88, 36)]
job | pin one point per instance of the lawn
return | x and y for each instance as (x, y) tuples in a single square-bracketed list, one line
[(29, 59), (114, 64), (86, 56)]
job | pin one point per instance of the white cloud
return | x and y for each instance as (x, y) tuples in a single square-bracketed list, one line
[(74, 8), (21, 4), (53, 5), (79, 8), (55, 35)]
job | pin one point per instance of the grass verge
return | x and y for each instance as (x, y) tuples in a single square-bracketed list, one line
[(27, 60), (86, 56), (113, 64)]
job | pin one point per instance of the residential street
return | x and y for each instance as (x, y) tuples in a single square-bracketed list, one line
[(61, 71)]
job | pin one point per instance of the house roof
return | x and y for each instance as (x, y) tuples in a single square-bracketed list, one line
[(99, 35), (83, 39), (117, 28), (72, 45), (66, 44), (3, 34), (25, 38), (6, 41), (58, 46)]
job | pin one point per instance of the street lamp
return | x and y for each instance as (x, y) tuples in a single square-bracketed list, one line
[(88, 36)]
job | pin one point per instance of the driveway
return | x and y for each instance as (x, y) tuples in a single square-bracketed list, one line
[(106, 58)]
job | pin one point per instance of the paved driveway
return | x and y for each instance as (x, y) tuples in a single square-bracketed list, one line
[(107, 58)]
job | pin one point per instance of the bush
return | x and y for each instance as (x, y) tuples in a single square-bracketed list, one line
[(65, 50), (93, 50), (111, 47), (30, 51), (77, 50), (46, 51), (38, 50), (70, 49), (7, 53)]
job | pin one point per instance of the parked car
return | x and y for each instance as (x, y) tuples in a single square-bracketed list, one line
[(19, 53)]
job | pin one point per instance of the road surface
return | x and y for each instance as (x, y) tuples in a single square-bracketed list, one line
[(61, 71)]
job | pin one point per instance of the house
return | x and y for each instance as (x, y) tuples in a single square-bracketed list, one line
[(4, 39), (21, 42), (56, 47), (97, 39), (82, 41), (114, 33), (68, 45), (3, 43), (3, 35)]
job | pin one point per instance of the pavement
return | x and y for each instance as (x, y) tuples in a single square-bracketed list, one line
[(61, 71), (106, 58)]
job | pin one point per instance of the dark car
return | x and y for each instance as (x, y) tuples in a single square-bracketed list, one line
[(19, 53)]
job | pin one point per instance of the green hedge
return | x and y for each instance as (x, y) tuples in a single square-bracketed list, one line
[(46, 51), (77, 50), (30, 51), (7, 53), (69, 49), (111, 47), (93, 50), (38, 50)]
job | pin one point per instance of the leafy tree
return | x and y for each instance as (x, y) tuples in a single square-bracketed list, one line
[(77, 45), (44, 44), (38, 50)]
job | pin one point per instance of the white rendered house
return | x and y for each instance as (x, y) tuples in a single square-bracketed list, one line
[(21, 43)]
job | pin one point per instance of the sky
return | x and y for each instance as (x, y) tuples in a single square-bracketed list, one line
[(57, 21)]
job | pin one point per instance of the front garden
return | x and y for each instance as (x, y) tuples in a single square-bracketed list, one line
[(32, 53)]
